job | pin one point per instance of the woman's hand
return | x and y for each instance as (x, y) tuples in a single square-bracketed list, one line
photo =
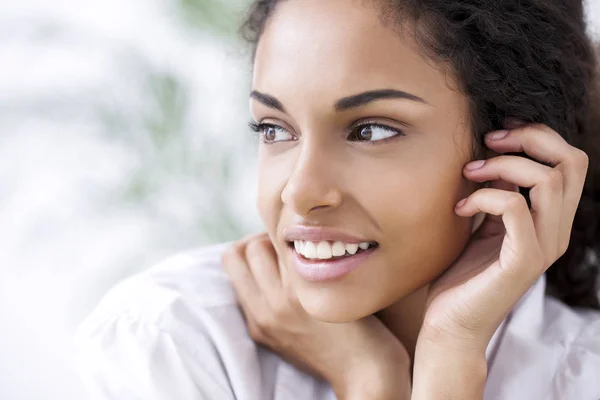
[(513, 247), (362, 359)]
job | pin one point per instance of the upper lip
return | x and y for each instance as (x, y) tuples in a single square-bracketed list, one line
[(318, 234)]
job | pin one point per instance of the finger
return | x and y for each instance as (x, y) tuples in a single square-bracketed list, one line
[(518, 223), (493, 224), (514, 169), (544, 144), (246, 239), (262, 261), (519, 264), (241, 277), (504, 185), (536, 140), (546, 193)]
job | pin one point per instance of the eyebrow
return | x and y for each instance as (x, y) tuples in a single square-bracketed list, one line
[(267, 100), (345, 103), (361, 99)]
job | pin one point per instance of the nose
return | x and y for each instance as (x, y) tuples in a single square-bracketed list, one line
[(313, 184)]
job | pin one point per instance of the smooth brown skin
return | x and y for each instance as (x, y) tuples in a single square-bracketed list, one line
[(401, 193)]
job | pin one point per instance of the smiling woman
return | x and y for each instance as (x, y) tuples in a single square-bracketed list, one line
[(424, 185)]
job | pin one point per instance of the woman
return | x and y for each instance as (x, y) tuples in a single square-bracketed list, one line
[(422, 181)]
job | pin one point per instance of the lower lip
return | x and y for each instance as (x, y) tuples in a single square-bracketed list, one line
[(323, 270)]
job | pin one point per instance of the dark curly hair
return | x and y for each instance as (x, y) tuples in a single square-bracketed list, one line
[(527, 59)]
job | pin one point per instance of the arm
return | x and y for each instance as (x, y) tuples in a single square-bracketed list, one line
[(378, 381), (441, 373)]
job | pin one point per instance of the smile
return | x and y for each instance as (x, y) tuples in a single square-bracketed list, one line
[(325, 261), (325, 250)]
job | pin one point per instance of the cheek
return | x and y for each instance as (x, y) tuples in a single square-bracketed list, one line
[(268, 201), (417, 214)]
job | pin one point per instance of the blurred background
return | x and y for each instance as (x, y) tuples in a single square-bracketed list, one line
[(123, 139)]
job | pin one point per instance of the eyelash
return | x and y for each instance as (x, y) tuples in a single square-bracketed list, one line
[(258, 129)]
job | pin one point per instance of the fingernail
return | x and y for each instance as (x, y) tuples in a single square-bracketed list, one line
[(461, 203), (472, 166), (497, 135)]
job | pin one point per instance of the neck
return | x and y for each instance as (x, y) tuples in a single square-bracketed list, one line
[(405, 317)]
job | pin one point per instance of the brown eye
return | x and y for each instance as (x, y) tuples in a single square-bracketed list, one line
[(365, 133), (272, 133), (373, 133)]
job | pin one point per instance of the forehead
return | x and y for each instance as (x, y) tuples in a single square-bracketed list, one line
[(341, 46)]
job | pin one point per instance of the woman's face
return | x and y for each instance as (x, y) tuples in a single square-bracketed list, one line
[(385, 168)]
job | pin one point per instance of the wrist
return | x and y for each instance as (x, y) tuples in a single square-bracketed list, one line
[(464, 372), (376, 380), (465, 341), (401, 393), (376, 390)]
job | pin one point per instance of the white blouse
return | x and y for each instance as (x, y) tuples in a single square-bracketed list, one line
[(175, 332)]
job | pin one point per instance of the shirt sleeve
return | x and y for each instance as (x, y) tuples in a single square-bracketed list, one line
[(124, 358), (579, 375)]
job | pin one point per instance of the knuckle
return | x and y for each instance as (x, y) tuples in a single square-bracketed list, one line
[(255, 332), (541, 127), (233, 252), (581, 159), (257, 247), (238, 248), (530, 129), (263, 320), (554, 179), (515, 201)]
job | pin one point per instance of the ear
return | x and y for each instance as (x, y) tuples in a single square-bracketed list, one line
[(488, 153), (480, 217)]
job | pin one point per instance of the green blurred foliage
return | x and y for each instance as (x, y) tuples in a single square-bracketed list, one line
[(158, 129), (159, 132), (217, 16)]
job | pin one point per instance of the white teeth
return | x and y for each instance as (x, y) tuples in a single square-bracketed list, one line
[(338, 249), (309, 250), (352, 248), (323, 251)]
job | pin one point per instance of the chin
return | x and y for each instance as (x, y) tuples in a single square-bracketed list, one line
[(328, 306), (334, 317)]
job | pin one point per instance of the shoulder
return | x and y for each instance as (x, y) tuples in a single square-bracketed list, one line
[(575, 333), (547, 350), (175, 331), (193, 278), (169, 321)]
